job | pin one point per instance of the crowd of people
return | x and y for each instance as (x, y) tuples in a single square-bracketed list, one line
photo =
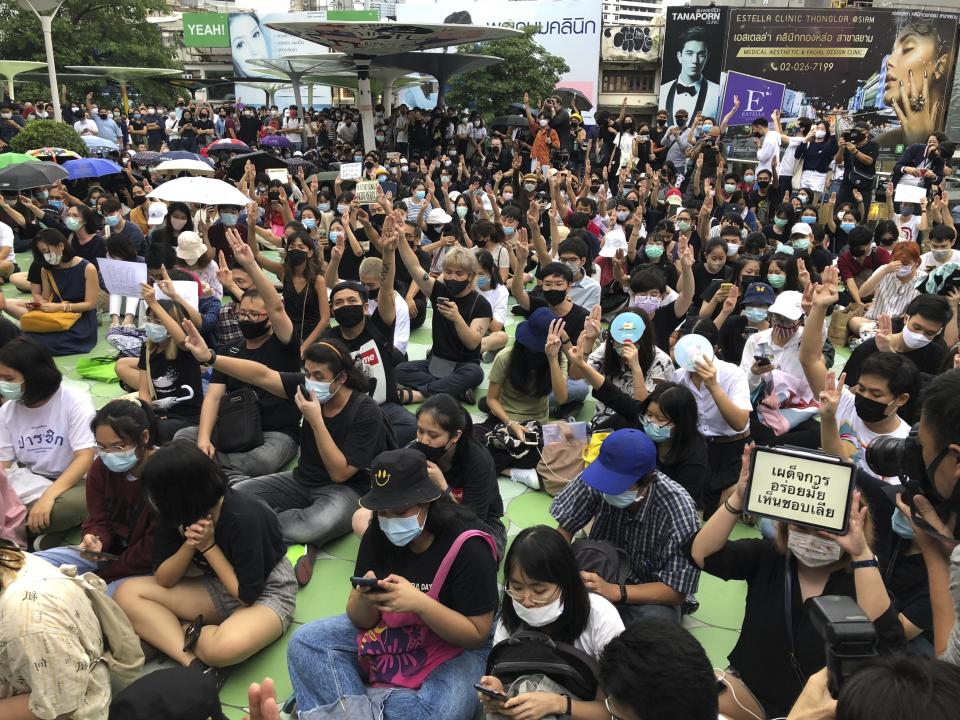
[(275, 400)]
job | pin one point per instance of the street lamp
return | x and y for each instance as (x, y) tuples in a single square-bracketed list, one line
[(46, 22)]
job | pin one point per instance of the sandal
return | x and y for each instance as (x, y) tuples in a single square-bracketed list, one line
[(192, 633), (407, 396)]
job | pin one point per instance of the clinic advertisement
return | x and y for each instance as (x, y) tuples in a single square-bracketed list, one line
[(757, 97), (693, 60), (891, 69), (568, 28)]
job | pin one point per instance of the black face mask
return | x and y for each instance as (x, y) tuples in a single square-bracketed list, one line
[(554, 297), (253, 329), (661, 121), (431, 453), (349, 316), (372, 294), (139, 200), (455, 287), (297, 257), (594, 188), (869, 410), (763, 184)]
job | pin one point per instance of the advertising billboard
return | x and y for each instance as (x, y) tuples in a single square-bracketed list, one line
[(631, 43), (568, 28), (693, 60), (206, 30), (891, 69)]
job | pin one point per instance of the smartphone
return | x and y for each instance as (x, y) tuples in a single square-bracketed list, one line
[(726, 286), (364, 582), (441, 300), (490, 693), (762, 359), (94, 555), (305, 392), (273, 196), (530, 438)]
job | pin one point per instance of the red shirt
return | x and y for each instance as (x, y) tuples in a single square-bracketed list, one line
[(850, 267)]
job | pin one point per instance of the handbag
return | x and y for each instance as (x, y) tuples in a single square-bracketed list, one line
[(500, 438), (861, 180), (39, 321), (562, 461), (238, 427)]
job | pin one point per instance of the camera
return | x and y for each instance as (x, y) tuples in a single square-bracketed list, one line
[(849, 635)]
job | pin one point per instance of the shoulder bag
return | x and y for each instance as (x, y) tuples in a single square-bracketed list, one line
[(39, 321)]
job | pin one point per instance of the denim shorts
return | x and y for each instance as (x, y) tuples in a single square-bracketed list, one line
[(279, 594)]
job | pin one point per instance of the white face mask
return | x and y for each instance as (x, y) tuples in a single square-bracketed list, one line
[(813, 551), (913, 340), (541, 615)]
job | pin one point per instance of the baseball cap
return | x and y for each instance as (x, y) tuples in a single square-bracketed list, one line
[(398, 479), (788, 305), (626, 456), (158, 211), (801, 229), (759, 293), (627, 327)]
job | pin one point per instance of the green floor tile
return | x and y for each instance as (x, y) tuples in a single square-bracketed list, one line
[(742, 531), (270, 662), (718, 643), (509, 489), (531, 508), (327, 592), (344, 548), (721, 603)]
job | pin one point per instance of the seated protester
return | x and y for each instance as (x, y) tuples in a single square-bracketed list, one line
[(422, 632), (114, 224), (228, 218), (778, 231), (53, 643), (545, 593), (68, 284), (268, 339), (820, 255), (584, 291), (206, 314), (85, 234), (413, 296), (911, 221), (723, 399), (654, 251), (851, 420), (219, 562), (765, 657), (119, 248), (749, 315), (488, 237), (940, 240), (649, 296), (640, 510), (780, 271), (627, 359), (371, 270), (460, 320), (858, 262), (342, 430), (46, 444), (494, 290), (119, 520), (235, 282), (195, 256), (522, 382), (893, 285), (168, 221), (368, 337)]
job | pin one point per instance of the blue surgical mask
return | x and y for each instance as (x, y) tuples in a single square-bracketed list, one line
[(623, 500), (324, 207), (403, 530), (343, 209), (156, 333), (320, 390), (847, 226), (333, 236), (483, 282), (657, 433), (11, 390), (901, 525), (420, 194), (229, 219), (119, 462), (777, 281), (56, 204), (309, 223), (508, 231), (112, 220), (755, 315), (809, 220), (801, 245)]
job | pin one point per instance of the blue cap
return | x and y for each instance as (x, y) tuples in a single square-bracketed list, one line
[(626, 456), (627, 327), (759, 293), (533, 331)]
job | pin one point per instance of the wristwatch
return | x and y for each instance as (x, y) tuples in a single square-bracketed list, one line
[(857, 564), (212, 360)]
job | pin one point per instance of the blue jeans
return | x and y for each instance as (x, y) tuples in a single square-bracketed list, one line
[(577, 391), (277, 450), (416, 374), (403, 422), (66, 556), (327, 679)]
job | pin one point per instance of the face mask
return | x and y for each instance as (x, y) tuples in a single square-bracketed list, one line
[(483, 282), (297, 257), (461, 211), (539, 616), (905, 271), (404, 168), (334, 236), (732, 249), (529, 187), (253, 329), (777, 281), (801, 245), (320, 390), (447, 163), (729, 188), (455, 287), (942, 255), (119, 462), (343, 209), (73, 223), (681, 120), (683, 226), (228, 219), (808, 219), (654, 252), (748, 179), (543, 123), (156, 333), (403, 530), (309, 223), (870, 410), (763, 184), (820, 134), (56, 204), (847, 226), (706, 127), (813, 551), (11, 390), (507, 196), (323, 207), (657, 433), (349, 316), (574, 266), (509, 230), (623, 500), (554, 297), (112, 220), (906, 211), (622, 215), (646, 303), (901, 526), (803, 199), (74, 109), (755, 315), (432, 454), (420, 194), (53, 258), (780, 222), (444, 179), (784, 248), (913, 340)]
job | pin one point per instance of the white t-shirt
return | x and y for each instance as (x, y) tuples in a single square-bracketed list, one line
[(788, 160), (44, 439), (6, 235), (909, 227), (86, 127), (733, 381), (401, 327), (927, 260), (853, 431), (769, 150), (498, 300), (603, 625)]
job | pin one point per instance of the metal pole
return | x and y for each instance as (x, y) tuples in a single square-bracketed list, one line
[(46, 22)]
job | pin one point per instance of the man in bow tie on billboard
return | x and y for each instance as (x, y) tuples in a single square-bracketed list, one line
[(691, 91)]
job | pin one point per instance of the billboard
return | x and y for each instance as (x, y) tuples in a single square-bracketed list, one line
[(631, 43), (757, 97), (568, 28), (891, 69), (206, 30), (693, 60)]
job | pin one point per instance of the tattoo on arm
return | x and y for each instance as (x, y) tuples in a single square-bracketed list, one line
[(384, 271), (426, 276)]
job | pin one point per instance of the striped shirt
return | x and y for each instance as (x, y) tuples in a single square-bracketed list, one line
[(891, 296), (654, 537)]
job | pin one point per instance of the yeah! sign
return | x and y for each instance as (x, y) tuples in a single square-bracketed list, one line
[(206, 30)]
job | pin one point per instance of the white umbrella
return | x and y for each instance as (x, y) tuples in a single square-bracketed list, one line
[(199, 190), (194, 167)]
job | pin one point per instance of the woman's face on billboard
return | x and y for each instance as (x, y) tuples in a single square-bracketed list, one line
[(247, 41), (914, 54)]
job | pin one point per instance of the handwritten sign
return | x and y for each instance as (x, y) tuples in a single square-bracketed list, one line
[(188, 291), (800, 487), (906, 192), (121, 277), (351, 171), (366, 192)]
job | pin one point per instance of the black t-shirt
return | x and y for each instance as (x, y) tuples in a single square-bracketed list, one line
[(94, 248), (403, 280), (375, 347), (248, 534), (357, 430), (446, 342), (178, 378), (471, 585), (8, 331), (276, 414), (702, 279), (472, 478), (574, 319), (665, 321), (852, 162)]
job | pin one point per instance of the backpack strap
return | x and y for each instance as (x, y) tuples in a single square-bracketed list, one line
[(451, 555)]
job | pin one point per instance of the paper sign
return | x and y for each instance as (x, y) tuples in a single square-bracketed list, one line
[(909, 193), (277, 174), (188, 291), (351, 171), (393, 156), (366, 192), (121, 277)]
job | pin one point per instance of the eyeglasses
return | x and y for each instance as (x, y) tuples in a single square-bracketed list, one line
[(542, 599), (250, 316), (613, 715)]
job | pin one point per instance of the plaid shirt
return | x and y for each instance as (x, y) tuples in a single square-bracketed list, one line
[(654, 537), (228, 329)]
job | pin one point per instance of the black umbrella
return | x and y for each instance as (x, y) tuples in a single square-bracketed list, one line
[(508, 121), (518, 109), (580, 101), (25, 176), (262, 161), (146, 158), (295, 163)]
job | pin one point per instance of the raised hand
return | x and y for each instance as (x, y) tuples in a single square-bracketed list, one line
[(730, 304), (884, 333), (224, 275), (802, 273), (592, 325), (241, 251), (554, 338), (194, 342), (830, 395)]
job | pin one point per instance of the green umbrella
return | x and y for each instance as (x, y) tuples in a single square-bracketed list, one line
[(12, 158)]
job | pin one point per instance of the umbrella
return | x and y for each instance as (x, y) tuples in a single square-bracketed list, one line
[(199, 190), (580, 101), (53, 153), (27, 175), (145, 159), (91, 167), (194, 167), (12, 158), (295, 163), (228, 145), (508, 121), (277, 141), (261, 161), (185, 155), (92, 141), (518, 109)]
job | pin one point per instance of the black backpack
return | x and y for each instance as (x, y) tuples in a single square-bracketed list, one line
[(533, 653), (603, 558)]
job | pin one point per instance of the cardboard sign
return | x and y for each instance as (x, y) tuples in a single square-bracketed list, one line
[(188, 290), (351, 171), (366, 192), (802, 487)]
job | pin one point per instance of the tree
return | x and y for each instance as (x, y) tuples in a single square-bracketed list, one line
[(48, 133), (91, 32), (526, 67)]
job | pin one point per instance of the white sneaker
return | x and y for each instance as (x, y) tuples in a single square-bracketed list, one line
[(526, 477)]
